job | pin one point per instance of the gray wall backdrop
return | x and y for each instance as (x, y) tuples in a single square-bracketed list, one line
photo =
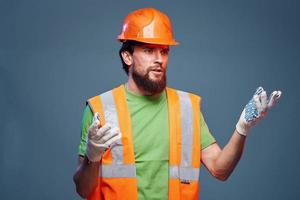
[(55, 54)]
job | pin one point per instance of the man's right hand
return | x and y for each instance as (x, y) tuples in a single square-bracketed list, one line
[(100, 139)]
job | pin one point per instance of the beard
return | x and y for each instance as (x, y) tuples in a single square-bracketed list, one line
[(147, 84)]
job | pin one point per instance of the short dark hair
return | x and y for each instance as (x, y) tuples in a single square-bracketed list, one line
[(129, 47)]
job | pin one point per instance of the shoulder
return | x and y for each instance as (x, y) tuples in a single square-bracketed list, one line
[(95, 102), (183, 93), (96, 97)]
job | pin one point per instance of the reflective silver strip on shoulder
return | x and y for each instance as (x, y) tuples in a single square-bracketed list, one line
[(186, 113), (117, 171), (111, 116), (184, 173)]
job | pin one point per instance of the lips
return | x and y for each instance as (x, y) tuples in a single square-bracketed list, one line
[(157, 70)]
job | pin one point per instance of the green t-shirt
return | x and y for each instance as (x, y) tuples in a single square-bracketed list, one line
[(149, 118)]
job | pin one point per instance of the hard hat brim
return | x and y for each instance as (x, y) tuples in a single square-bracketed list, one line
[(150, 41)]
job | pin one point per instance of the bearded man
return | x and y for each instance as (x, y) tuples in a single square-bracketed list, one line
[(144, 140)]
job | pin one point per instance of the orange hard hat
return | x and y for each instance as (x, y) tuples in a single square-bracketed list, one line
[(147, 25)]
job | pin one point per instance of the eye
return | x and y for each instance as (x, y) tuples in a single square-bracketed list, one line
[(164, 51), (148, 50)]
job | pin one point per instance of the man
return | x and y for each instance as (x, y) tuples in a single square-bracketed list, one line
[(143, 140)]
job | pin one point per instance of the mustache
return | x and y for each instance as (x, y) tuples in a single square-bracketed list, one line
[(156, 68)]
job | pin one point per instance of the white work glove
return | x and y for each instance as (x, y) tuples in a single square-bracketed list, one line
[(100, 139), (256, 109)]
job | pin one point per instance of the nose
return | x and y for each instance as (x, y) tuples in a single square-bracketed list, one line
[(158, 57)]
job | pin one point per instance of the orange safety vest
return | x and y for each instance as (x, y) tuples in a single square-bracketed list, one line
[(117, 174)]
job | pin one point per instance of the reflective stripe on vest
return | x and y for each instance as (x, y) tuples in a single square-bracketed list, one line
[(118, 171), (186, 119), (117, 168), (184, 173), (184, 159)]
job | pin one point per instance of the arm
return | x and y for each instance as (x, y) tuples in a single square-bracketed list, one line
[(86, 176), (221, 163), (99, 139)]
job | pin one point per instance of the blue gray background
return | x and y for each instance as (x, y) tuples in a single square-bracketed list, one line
[(55, 54)]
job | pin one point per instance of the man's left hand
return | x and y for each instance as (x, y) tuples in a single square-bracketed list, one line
[(256, 109)]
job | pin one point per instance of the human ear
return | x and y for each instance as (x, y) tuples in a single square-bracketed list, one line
[(127, 57)]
